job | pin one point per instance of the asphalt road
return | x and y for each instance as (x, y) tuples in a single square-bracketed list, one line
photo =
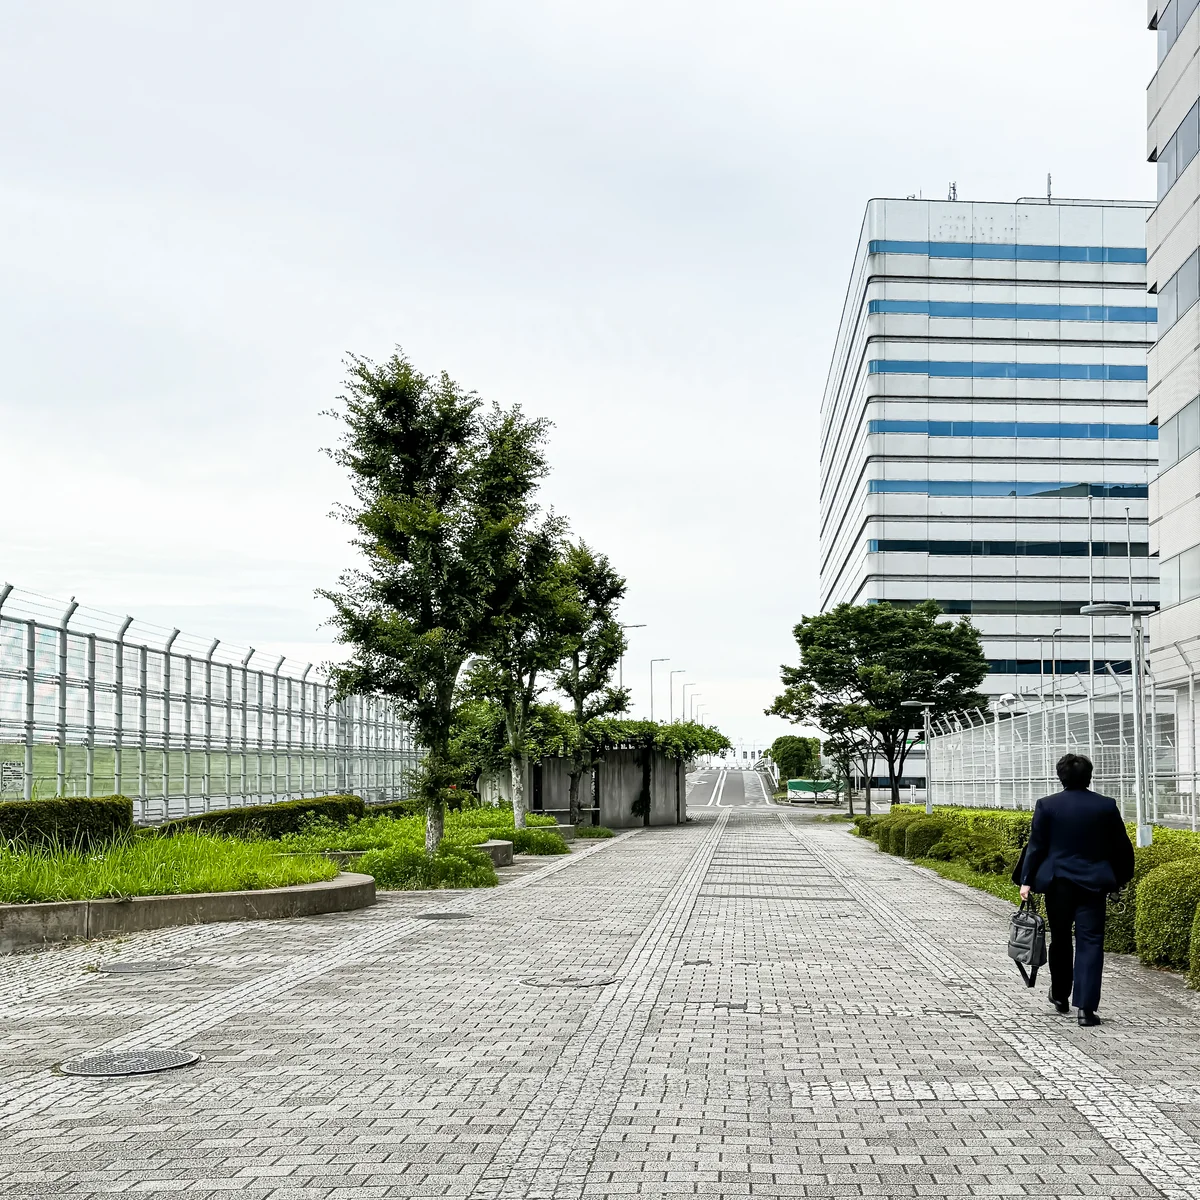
[(728, 789)]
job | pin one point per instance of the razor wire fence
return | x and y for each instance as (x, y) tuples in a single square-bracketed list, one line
[(1005, 757), (92, 704)]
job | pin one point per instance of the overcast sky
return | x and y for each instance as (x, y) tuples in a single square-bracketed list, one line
[(634, 217)]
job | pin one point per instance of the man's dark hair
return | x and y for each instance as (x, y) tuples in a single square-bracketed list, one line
[(1074, 772)]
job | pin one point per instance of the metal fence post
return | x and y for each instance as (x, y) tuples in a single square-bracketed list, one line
[(207, 787), (142, 683), (245, 718), (90, 717), (61, 773), (166, 724), (30, 701), (119, 705)]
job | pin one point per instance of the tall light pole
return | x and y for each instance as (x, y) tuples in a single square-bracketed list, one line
[(671, 702), (652, 662), (621, 663), (1135, 613), (683, 701), (925, 706), (696, 709)]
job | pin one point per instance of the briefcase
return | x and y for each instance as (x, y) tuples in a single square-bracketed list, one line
[(1027, 941)]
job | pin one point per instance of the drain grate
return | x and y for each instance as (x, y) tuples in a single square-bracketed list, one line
[(140, 968), (697, 962), (128, 1062), (571, 981), (443, 916)]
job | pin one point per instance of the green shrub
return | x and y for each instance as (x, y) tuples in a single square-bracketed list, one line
[(536, 841), (1009, 826), (1167, 899), (981, 850), (1194, 953), (1120, 933), (408, 868), (66, 822), (593, 831), (895, 830), (270, 820), (397, 808), (921, 835), (864, 826)]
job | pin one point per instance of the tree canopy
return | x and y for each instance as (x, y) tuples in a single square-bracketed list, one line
[(796, 757)]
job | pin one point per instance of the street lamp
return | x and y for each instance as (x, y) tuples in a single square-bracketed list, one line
[(652, 662), (683, 701), (671, 685), (925, 706), (1135, 613), (696, 709), (621, 664)]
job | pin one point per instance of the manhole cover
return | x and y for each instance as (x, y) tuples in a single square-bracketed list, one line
[(571, 981), (129, 1062), (139, 968), (443, 916)]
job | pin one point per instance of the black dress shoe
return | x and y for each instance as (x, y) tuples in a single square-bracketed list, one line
[(1063, 1006), (1088, 1018)]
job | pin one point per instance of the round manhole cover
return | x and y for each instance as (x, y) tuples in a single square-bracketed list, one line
[(586, 980), (443, 916), (129, 1062), (139, 968)]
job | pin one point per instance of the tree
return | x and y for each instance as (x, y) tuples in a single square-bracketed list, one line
[(525, 642), (594, 643), (796, 757), (442, 490), (858, 663)]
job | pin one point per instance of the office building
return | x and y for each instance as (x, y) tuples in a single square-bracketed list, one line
[(984, 439)]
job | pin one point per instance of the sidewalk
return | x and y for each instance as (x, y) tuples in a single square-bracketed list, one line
[(790, 1014)]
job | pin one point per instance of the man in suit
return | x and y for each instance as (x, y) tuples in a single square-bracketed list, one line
[(1078, 852)]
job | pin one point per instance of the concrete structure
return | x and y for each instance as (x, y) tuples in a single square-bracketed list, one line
[(984, 429), (1172, 237)]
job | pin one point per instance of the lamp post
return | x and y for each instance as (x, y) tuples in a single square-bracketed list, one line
[(671, 702), (683, 702), (652, 662), (925, 706), (696, 709), (1135, 613), (621, 662)]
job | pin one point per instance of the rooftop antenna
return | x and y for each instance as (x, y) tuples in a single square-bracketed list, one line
[(1047, 187), (953, 192)]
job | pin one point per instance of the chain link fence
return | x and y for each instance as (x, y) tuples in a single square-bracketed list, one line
[(94, 705), (1005, 757)]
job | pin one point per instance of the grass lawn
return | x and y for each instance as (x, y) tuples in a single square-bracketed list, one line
[(998, 885)]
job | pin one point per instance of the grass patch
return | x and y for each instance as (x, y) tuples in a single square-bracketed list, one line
[(960, 872), (833, 818), (593, 831), (187, 863), (537, 841), (408, 868)]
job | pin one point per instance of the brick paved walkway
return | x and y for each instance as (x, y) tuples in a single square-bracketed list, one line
[(791, 1014)]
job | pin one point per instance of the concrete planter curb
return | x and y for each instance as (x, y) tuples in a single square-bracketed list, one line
[(26, 925), (499, 851)]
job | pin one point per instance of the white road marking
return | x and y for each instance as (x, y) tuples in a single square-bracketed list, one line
[(715, 798)]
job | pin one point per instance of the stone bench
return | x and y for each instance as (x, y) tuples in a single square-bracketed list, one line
[(499, 851)]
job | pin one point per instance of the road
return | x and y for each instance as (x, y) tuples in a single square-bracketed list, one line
[(728, 789)]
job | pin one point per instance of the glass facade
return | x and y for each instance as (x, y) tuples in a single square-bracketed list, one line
[(1179, 293), (1171, 23), (1177, 154), (1009, 251), (1007, 370), (1015, 312), (1180, 577), (988, 487), (1014, 429), (1180, 436), (1060, 666), (997, 608), (1015, 549)]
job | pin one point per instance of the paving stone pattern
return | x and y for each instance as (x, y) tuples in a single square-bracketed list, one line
[(791, 1014)]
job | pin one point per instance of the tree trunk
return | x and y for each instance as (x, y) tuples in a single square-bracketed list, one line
[(892, 776), (850, 793), (516, 766), (576, 816), (435, 825)]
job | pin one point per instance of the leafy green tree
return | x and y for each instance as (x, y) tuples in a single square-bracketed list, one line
[(594, 643), (796, 757), (442, 492), (858, 663), (525, 642)]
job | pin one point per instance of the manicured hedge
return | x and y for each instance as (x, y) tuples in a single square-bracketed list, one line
[(271, 820), (1120, 932), (66, 822), (1010, 826), (922, 835), (536, 841), (864, 826), (1167, 900)]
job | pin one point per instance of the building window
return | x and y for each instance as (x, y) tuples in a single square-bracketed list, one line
[(1179, 577), (1180, 436), (1014, 312), (1018, 253), (998, 608), (1174, 157), (1106, 372), (1171, 23), (988, 487), (1178, 294), (1017, 549), (1014, 429), (1059, 666)]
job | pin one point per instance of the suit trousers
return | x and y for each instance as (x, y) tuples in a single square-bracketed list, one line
[(1069, 905)]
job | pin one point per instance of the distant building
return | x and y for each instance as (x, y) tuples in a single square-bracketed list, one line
[(984, 437), (1172, 237)]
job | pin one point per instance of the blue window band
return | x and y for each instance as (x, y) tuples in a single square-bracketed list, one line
[(1059, 666), (1013, 252), (1038, 429), (1007, 549), (1005, 370), (1015, 312), (988, 487)]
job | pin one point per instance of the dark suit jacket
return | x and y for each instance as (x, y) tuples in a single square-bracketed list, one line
[(1078, 836)]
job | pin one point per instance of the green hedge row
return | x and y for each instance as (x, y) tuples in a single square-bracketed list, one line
[(68, 822), (271, 820)]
